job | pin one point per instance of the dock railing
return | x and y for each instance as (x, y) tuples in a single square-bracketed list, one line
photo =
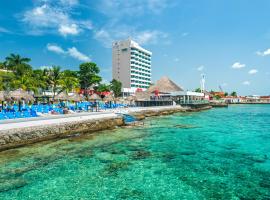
[(192, 102), (153, 103)]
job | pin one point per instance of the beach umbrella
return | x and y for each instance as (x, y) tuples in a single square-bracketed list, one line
[(62, 96), (94, 97)]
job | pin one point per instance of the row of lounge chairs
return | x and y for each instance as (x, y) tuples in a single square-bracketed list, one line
[(27, 111)]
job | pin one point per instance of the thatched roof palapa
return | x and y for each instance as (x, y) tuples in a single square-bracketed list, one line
[(76, 97), (131, 98), (142, 96), (94, 97), (62, 96), (18, 95), (165, 85), (2, 96), (119, 99), (109, 98)]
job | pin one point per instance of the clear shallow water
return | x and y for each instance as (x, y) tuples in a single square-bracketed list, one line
[(216, 154)]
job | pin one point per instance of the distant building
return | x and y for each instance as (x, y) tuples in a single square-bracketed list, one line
[(131, 64), (219, 94)]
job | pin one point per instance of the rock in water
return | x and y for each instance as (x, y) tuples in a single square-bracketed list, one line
[(185, 126)]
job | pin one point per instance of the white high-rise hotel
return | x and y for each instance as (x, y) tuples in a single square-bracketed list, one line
[(131, 65)]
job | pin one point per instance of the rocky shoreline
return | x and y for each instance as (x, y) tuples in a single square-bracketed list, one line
[(17, 137)]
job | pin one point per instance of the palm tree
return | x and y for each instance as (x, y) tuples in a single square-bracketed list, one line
[(69, 81), (5, 80), (53, 77), (40, 77), (15, 59), (3, 65), (25, 82)]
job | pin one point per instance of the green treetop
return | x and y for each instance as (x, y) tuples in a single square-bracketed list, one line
[(88, 75), (116, 87)]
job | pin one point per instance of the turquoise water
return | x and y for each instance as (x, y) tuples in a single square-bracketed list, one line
[(216, 154)]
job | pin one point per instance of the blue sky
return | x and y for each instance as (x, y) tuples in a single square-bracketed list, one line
[(227, 40)]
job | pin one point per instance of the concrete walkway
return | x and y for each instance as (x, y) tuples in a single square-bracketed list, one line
[(50, 120), (59, 119)]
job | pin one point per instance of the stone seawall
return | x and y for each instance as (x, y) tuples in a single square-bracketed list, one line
[(20, 137), (140, 115), (16, 137)]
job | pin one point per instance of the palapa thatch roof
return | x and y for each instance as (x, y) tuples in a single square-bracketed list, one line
[(119, 99), (2, 96), (109, 98), (94, 97), (62, 96), (76, 97), (131, 98), (18, 95), (165, 85), (142, 95)]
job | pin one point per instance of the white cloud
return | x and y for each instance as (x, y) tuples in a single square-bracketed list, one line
[(264, 53), (176, 60), (55, 48), (104, 37), (54, 17), (73, 52), (118, 11), (157, 6), (147, 37), (123, 8), (238, 65), (200, 68), (4, 30), (184, 34), (253, 71), (69, 2), (45, 16), (109, 34), (72, 29), (246, 83), (60, 17)]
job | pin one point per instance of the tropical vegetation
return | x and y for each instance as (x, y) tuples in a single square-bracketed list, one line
[(16, 72)]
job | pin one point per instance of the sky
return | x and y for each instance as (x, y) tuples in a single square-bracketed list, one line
[(227, 40)]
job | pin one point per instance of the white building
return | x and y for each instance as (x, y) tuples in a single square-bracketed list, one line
[(131, 65)]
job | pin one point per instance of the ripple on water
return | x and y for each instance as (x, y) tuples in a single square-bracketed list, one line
[(217, 154)]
